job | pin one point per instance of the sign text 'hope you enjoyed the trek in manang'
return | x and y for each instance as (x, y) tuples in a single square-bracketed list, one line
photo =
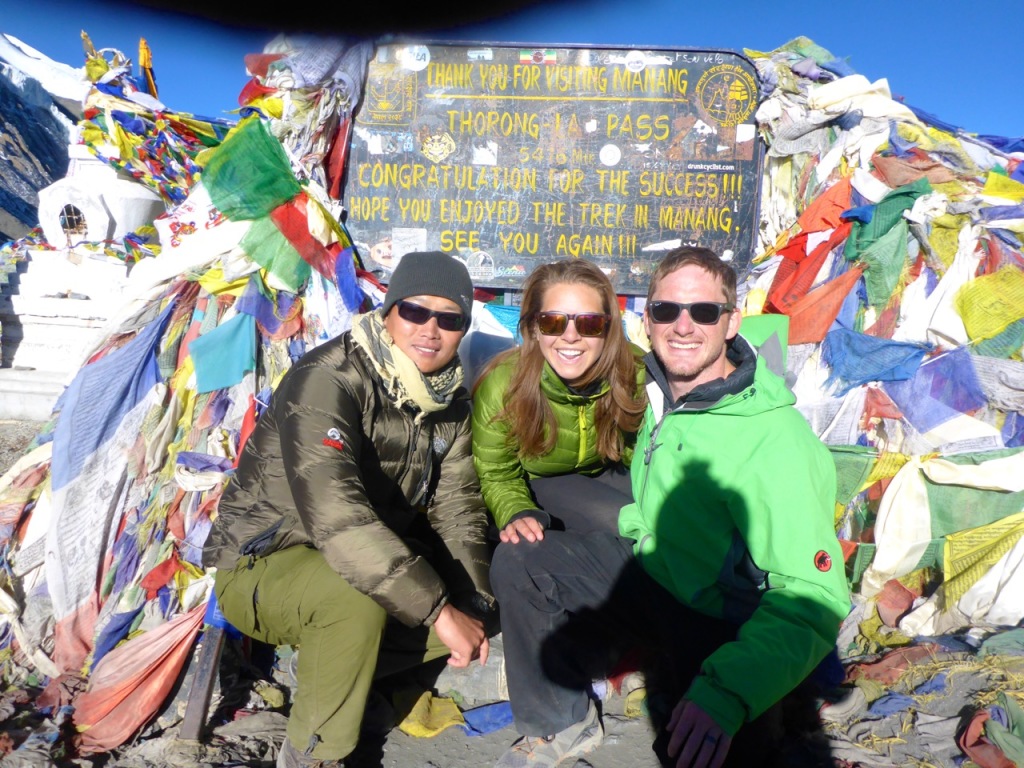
[(508, 157)]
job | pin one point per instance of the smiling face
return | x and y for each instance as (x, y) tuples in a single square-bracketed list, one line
[(571, 355), (429, 347), (692, 354)]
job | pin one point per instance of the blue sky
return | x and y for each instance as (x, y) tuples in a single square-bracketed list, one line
[(953, 59)]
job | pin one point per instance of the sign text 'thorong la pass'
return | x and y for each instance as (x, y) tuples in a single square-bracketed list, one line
[(508, 157)]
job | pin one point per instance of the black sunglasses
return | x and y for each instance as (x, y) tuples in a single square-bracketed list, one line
[(587, 323), (701, 312), (446, 321)]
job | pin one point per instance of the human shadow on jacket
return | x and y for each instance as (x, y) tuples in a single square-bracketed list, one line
[(642, 627)]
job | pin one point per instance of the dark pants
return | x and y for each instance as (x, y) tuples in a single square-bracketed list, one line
[(572, 606), (582, 504)]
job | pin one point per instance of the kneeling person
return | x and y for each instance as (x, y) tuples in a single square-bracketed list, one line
[(726, 573), (354, 527)]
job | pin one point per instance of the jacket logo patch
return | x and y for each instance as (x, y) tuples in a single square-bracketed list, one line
[(823, 561), (333, 439)]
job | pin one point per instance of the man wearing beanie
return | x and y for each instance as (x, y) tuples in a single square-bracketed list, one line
[(353, 528)]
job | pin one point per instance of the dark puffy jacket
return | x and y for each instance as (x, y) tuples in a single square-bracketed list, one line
[(394, 506)]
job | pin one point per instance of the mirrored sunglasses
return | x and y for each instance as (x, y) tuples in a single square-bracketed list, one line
[(587, 323), (701, 312), (446, 321)]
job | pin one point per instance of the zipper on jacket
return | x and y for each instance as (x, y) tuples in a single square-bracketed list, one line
[(410, 451), (648, 453), (582, 417), (652, 444), (424, 482)]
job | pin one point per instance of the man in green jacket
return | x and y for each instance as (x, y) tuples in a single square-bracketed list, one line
[(727, 575), (354, 527)]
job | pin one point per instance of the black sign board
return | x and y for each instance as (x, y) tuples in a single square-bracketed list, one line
[(511, 156)]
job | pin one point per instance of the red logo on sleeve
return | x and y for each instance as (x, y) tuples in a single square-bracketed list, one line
[(333, 439), (823, 561)]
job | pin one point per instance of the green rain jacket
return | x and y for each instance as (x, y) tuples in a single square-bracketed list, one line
[(503, 474), (734, 515)]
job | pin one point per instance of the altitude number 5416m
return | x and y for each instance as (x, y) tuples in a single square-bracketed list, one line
[(549, 156)]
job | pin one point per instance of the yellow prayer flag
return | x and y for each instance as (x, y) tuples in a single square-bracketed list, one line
[(968, 555), (887, 465), (146, 65), (944, 236), (213, 281), (322, 225), (95, 68), (990, 303), (272, 106), (998, 185), (121, 141)]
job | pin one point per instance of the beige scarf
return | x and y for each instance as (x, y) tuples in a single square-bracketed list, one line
[(405, 382)]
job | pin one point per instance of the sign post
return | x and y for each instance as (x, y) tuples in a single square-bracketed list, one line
[(508, 156)]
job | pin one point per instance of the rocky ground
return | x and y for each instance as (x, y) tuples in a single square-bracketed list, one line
[(14, 438)]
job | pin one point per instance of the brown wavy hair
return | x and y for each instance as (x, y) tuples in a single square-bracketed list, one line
[(532, 425)]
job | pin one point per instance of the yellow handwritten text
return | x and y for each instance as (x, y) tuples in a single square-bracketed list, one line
[(369, 208), (682, 218), (665, 80), (565, 180), (576, 80), (585, 245), (607, 215), (526, 77), (494, 123), (457, 240), (448, 75), (520, 242), (616, 182), (479, 211), (689, 184), (407, 176), (549, 213), (641, 128)]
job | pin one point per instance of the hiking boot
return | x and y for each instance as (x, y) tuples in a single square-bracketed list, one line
[(290, 757), (548, 751)]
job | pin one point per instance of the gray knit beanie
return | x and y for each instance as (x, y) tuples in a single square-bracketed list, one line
[(430, 273)]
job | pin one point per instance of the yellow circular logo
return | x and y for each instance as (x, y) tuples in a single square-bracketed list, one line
[(727, 94), (438, 146)]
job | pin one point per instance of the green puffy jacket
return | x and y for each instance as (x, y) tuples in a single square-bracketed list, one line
[(734, 515), (334, 464), (503, 475)]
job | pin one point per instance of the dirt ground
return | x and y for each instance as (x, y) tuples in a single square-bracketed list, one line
[(627, 744)]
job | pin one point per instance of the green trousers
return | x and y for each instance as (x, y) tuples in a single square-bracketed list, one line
[(345, 640)]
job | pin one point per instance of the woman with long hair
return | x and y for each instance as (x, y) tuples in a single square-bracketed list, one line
[(554, 419), (554, 423)]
